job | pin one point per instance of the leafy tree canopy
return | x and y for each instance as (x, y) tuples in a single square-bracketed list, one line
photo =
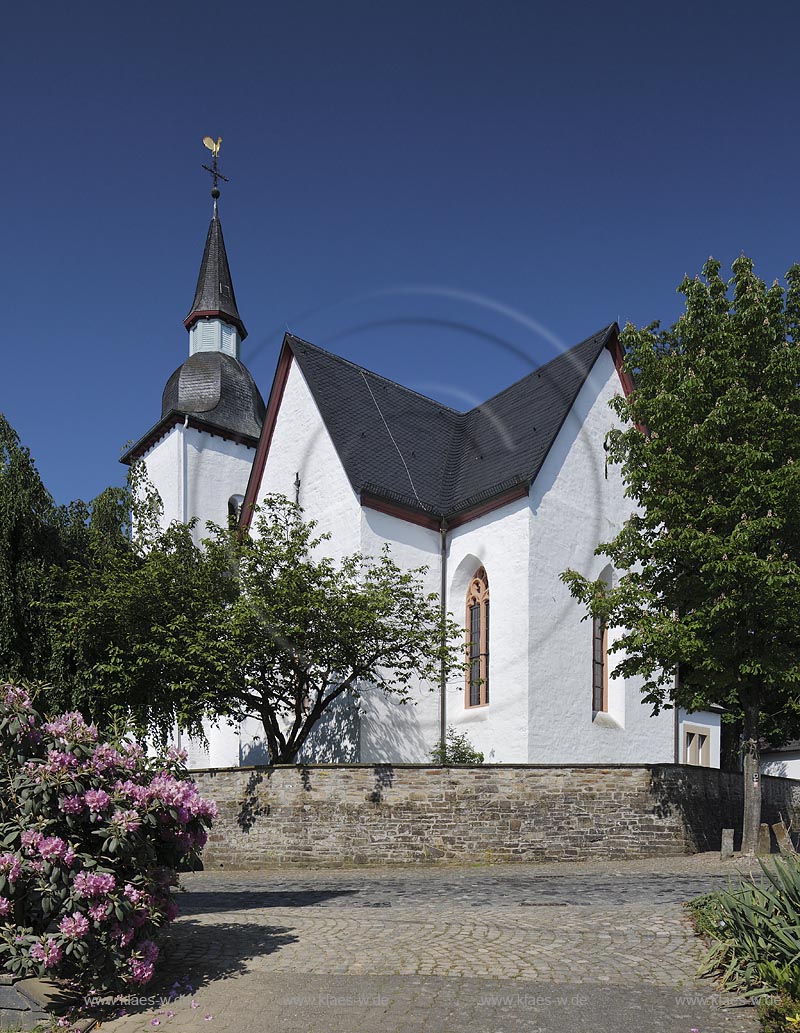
[(711, 457)]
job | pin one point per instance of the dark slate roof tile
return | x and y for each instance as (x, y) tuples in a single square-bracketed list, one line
[(214, 294), (405, 447)]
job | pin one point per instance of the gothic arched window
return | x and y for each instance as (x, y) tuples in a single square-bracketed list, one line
[(477, 694)]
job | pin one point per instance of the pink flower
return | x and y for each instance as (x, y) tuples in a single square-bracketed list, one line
[(15, 697), (97, 800), (10, 866), (71, 804), (5, 906), (48, 953), (31, 838), (127, 821), (133, 895), (52, 848), (98, 911), (74, 926), (141, 971), (71, 728), (88, 884), (105, 757)]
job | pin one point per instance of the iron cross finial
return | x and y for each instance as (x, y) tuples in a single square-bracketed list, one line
[(214, 146)]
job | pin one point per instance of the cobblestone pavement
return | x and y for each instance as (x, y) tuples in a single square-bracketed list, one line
[(594, 947)]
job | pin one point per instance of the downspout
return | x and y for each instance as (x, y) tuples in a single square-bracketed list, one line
[(677, 743), (184, 480), (443, 635)]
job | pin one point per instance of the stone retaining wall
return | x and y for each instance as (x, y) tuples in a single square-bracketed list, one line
[(379, 814)]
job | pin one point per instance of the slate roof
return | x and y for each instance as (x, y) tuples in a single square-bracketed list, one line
[(406, 448), (214, 294), (219, 389), (217, 392)]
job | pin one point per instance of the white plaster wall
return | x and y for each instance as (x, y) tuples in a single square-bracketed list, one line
[(195, 473), (573, 507), (711, 723), (498, 541), (390, 731), (163, 464), (301, 444), (783, 765)]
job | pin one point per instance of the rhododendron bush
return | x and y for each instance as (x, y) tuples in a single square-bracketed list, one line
[(91, 835)]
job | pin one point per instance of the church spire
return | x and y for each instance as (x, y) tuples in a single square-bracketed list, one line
[(214, 297), (214, 323)]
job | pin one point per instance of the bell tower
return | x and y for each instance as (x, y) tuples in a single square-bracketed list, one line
[(199, 453)]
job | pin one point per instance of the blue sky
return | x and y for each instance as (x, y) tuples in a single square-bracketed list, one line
[(448, 193)]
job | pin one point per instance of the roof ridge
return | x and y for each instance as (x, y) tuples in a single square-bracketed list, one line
[(538, 370)]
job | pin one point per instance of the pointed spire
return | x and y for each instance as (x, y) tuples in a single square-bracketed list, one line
[(214, 297)]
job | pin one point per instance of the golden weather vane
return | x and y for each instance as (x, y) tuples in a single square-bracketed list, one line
[(214, 146)]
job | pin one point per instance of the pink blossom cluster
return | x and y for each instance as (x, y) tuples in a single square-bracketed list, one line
[(49, 953), (126, 821), (16, 697), (10, 866), (71, 804), (142, 962), (93, 884), (97, 800), (71, 728), (106, 758), (52, 848), (5, 907), (75, 926), (98, 911)]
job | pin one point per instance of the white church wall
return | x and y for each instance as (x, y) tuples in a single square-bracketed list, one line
[(390, 731), (216, 469), (162, 462), (574, 506), (783, 764), (498, 542), (301, 445), (195, 473)]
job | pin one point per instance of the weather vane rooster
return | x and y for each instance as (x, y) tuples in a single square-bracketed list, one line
[(214, 146)]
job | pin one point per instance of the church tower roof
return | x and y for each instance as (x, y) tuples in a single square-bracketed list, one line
[(214, 296)]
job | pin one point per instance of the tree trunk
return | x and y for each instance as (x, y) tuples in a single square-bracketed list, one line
[(752, 779)]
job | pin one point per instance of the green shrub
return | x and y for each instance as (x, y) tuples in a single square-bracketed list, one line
[(91, 834), (754, 931), (456, 749)]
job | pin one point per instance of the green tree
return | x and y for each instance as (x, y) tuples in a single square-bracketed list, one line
[(307, 629), (712, 554), (35, 535), (155, 629), (137, 619)]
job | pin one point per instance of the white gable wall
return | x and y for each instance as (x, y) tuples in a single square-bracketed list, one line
[(573, 508), (302, 445)]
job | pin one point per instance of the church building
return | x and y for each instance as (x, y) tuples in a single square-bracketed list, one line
[(496, 502)]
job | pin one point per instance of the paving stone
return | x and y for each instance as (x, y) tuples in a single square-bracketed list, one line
[(597, 947)]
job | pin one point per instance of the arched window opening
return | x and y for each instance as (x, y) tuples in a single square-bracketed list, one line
[(235, 503), (599, 666), (477, 693)]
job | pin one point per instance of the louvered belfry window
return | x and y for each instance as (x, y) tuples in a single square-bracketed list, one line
[(477, 694)]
